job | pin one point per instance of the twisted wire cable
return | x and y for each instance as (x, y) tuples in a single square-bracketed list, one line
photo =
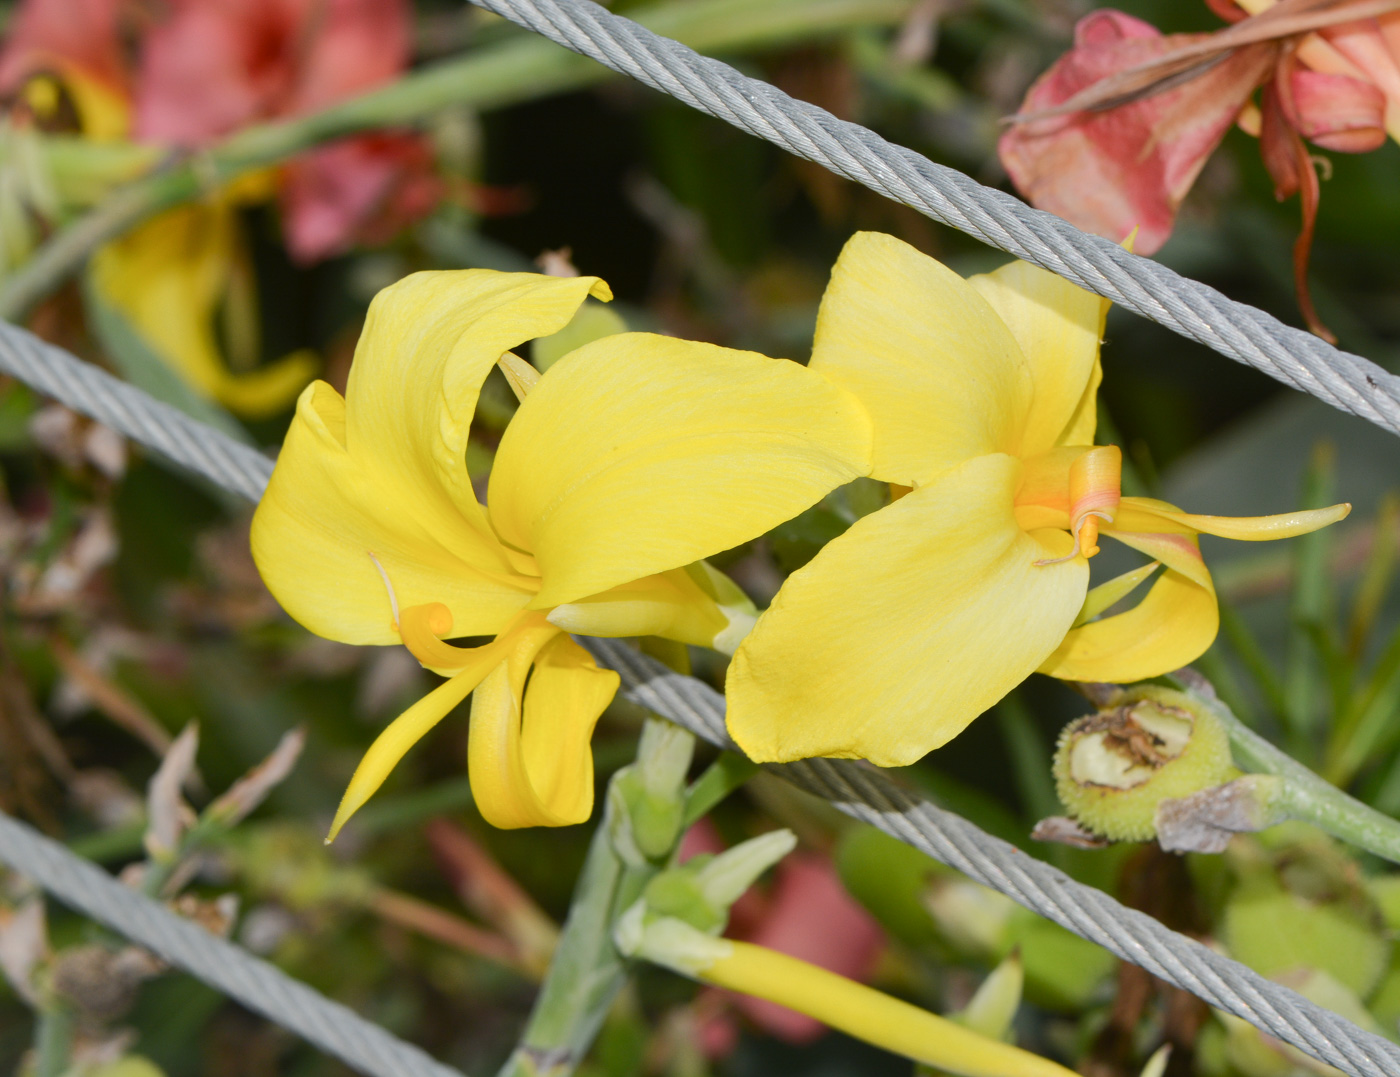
[(1194, 310), (857, 789), (261, 987), (865, 793)]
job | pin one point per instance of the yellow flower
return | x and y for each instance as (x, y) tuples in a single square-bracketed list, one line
[(630, 459), (170, 276), (982, 397)]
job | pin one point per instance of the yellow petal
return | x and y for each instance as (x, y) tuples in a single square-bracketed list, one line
[(541, 774), (903, 630), (408, 729), (428, 343), (1146, 514), (329, 524), (168, 278), (1172, 626), (941, 375), (639, 453), (1058, 326)]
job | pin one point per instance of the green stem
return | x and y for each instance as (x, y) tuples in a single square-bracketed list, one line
[(1303, 794), (53, 1040), (505, 73)]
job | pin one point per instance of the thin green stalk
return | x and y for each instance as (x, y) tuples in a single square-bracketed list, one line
[(1303, 794), (721, 778), (508, 72), (53, 1040), (586, 973)]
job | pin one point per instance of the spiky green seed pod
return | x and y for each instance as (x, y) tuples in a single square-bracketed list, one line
[(1113, 768)]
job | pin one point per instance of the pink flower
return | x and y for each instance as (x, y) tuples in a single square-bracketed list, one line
[(1113, 136), (217, 65)]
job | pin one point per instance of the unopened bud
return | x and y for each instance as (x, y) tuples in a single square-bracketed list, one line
[(1113, 768)]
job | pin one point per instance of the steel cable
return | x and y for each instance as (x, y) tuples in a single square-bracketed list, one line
[(261, 987), (1194, 310)]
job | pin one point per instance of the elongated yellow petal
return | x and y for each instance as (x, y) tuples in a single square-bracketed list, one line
[(869, 1015), (903, 630), (428, 343), (639, 453), (168, 278), (941, 375), (1058, 326), (541, 774), (1113, 591), (1146, 514), (408, 729), (339, 542), (1171, 626)]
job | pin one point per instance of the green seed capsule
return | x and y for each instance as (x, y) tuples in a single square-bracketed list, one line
[(1113, 768)]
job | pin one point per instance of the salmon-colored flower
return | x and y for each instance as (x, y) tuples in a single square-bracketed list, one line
[(1113, 136)]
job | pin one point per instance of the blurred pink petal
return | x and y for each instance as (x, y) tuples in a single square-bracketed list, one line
[(361, 44), (56, 33), (1129, 166), (213, 66), (1336, 112), (811, 916)]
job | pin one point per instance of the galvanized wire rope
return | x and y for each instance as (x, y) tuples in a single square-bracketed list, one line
[(1194, 310), (856, 789), (261, 987)]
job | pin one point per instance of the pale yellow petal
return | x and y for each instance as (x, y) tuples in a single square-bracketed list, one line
[(1111, 592), (1147, 514), (428, 343), (906, 628), (940, 374), (668, 604), (1058, 326), (640, 453), (331, 536), (541, 773), (1172, 626)]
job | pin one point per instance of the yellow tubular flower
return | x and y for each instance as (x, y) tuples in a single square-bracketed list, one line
[(628, 462), (981, 394)]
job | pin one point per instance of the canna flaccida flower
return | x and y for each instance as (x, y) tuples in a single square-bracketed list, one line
[(628, 462), (982, 395)]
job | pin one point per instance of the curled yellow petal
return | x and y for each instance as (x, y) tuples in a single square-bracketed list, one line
[(168, 278), (1172, 626), (669, 604), (407, 730), (869, 1015), (529, 760), (344, 545), (1151, 515)]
